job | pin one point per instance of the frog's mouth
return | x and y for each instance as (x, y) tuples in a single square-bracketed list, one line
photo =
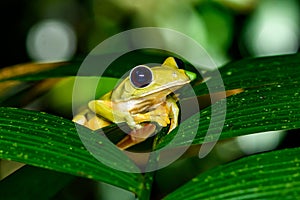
[(165, 89), (171, 87)]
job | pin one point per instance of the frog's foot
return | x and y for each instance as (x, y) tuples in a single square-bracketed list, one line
[(159, 115), (136, 136)]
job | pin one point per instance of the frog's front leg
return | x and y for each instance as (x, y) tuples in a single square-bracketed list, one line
[(143, 131), (137, 135), (159, 115), (173, 113), (166, 113)]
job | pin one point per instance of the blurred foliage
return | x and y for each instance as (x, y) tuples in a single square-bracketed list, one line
[(211, 23), (219, 25)]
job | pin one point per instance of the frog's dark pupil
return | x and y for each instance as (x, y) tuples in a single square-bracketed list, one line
[(141, 76)]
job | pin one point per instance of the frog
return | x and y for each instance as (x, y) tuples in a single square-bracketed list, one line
[(144, 100)]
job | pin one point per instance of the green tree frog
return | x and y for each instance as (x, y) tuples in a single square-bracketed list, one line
[(145, 96)]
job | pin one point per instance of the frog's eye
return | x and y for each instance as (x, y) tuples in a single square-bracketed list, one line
[(140, 76)]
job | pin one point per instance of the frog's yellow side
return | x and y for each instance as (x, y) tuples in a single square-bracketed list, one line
[(145, 96)]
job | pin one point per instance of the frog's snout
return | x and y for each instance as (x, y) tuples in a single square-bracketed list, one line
[(192, 76)]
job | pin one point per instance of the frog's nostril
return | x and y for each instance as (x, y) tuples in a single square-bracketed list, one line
[(175, 75)]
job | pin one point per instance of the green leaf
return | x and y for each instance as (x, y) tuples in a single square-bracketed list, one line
[(270, 100), (263, 176), (33, 183), (256, 72), (51, 142)]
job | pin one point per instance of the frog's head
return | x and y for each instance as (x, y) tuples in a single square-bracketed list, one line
[(159, 80)]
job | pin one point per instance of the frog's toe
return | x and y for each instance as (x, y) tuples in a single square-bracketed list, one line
[(162, 121), (79, 119)]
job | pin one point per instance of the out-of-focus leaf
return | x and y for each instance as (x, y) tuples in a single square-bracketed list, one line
[(27, 69), (62, 69)]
